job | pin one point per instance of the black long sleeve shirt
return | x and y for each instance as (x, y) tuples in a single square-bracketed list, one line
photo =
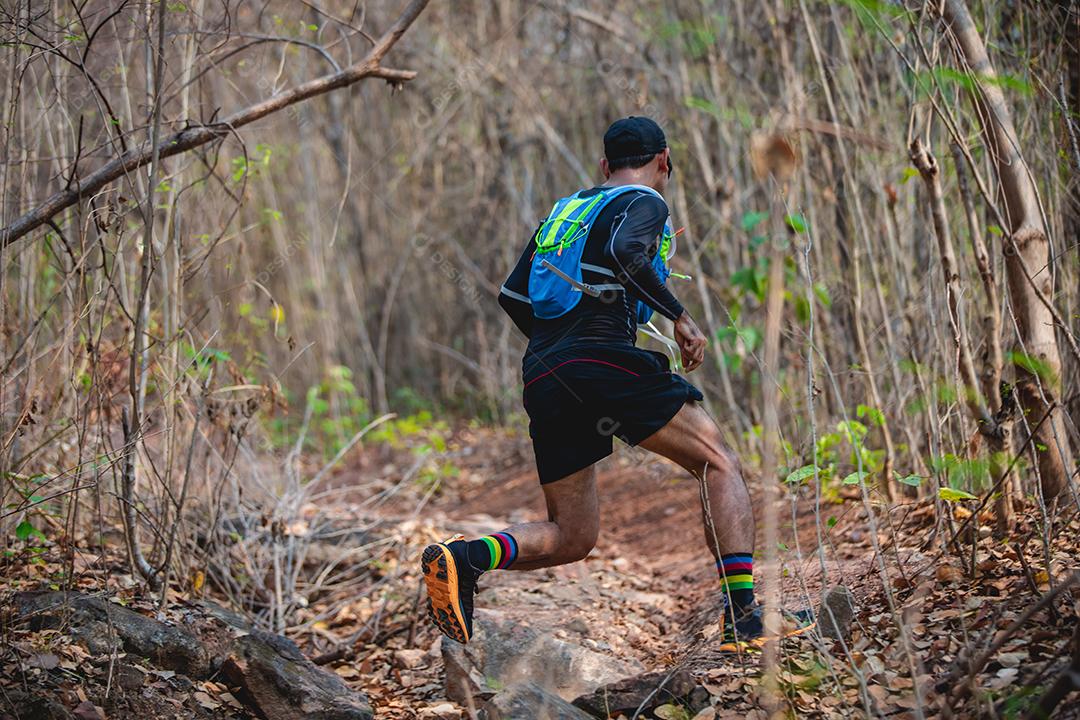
[(622, 242)]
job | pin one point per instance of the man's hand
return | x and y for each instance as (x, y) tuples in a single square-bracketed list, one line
[(691, 342)]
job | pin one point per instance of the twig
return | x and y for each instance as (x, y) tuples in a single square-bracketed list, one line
[(961, 690), (1068, 681)]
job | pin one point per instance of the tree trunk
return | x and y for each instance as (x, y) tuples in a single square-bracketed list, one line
[(978, 403), (1027, 260)]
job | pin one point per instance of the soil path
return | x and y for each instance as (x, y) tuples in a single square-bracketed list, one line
[(649, 589)]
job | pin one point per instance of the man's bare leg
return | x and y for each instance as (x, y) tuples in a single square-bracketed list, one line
[(450, 569), (571, 529), (693, 440)]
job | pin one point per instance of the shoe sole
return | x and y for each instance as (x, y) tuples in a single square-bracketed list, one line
[(755, 645), (444, 601)]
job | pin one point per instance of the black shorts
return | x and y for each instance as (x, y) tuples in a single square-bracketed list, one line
[(579, 399)]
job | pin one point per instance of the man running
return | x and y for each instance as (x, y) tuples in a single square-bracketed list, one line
[(585, 382)]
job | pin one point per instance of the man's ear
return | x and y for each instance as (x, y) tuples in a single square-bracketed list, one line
[(664, 162), (604, 168)]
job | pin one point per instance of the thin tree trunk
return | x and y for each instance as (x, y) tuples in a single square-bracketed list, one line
[(1027, 258), (925, 162), (137, 366)]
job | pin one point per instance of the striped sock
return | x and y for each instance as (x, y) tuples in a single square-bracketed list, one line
[(737, 581), (497, 551)]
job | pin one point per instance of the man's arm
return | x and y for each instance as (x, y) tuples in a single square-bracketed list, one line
[(514, 294), (633, 242), (631, 247)]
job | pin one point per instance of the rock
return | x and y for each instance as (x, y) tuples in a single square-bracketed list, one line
[(503, 651), (280, 683), (578, 625), (30, 707), (87, 710), (227, 617), (409, 658), (102, 625), (98, 637), (529, 701), (128, 676), (647, 691), (836, 612), (698, 700), (442, 711)]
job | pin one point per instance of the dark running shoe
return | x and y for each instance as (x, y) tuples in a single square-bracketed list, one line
[(747, 633), (451, 584)]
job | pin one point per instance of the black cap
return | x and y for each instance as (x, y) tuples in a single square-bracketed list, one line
[(633, 136)]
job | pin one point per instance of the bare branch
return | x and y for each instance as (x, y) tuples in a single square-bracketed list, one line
[(194, 136)]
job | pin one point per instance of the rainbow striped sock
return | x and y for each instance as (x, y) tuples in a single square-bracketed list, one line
[(497, 551), (737, 580)]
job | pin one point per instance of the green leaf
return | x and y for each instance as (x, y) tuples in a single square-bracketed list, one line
[(852, 430), (995, 230), (876, 416), (831, 522), (796, 222), (1034, 365), (856, 477), (909, 172), (702, 104), (912, 480), (801, 475), (951, 494), (823, 296), (25, 531), (1010, 82), (751, 337), (802, 310), (752, 219)]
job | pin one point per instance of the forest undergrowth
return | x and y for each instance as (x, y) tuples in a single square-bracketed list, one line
[(251, 354), (975, 628)]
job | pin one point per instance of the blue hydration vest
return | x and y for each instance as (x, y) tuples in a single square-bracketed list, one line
[(555, 284)]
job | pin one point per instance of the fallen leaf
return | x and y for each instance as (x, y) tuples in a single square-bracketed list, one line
[(231, 699), (206, 701), (87, 710), (669, 712), (948, 573), (1005, 677), (1011, 659), (45, 661)]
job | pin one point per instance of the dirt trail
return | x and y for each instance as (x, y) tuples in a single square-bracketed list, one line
[(650, 566), (648, 594), (649, 591)]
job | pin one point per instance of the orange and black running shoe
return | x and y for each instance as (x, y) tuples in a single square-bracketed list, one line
[(747, 633), (451, 584)]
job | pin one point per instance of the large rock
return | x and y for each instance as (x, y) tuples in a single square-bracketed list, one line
[(32, 707), (529, 701), (281, 684), (104, 626), (836, 612), (647, 691), (503, 652)]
